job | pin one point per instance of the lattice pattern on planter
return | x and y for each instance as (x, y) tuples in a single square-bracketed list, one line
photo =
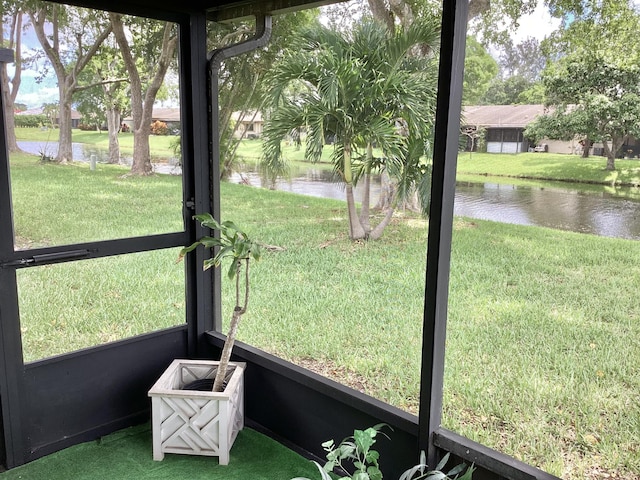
[(196, 422)]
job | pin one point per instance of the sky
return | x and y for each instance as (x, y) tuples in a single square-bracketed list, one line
[(32, 93), (538, 25)]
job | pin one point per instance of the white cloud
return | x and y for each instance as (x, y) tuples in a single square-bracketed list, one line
[(538, 24), (37, 99)]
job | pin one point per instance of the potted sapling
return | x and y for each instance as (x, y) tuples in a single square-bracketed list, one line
[(190, 419)]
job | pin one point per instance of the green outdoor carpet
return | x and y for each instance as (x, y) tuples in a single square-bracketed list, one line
[(127, 455)]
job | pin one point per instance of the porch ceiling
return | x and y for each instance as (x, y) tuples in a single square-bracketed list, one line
[(217, 10)]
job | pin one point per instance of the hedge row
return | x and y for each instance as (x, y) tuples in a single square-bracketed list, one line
[(30, 120)]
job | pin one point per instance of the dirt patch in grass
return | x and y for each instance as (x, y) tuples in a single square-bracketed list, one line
[(338, 373)]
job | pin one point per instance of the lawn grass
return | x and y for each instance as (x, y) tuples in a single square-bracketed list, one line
[(544, 326), (250, 153), (543, 331), (104, 299), (549, 166), (55, 203)]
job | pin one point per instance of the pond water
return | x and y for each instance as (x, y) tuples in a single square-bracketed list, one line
[(313, 182), (563, 207), (558, 205), (83, 152)]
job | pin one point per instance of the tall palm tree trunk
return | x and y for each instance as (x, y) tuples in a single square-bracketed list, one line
[(356, 230)]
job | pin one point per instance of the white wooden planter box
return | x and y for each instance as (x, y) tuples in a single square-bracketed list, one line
[(195, 422)]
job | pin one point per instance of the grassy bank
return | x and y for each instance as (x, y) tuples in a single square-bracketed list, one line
[(549, 166), (544, 328)]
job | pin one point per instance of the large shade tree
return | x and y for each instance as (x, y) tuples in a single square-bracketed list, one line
[(11, 32), (593, 86), (480, 70), (148, 49), (70, 37), (361, 89)]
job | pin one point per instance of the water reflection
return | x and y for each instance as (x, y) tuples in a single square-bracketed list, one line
[(559, 208), (562, 207), (311, 181), (83, 152)]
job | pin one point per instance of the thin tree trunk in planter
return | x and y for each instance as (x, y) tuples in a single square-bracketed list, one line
[(238, 311), (226, 351)]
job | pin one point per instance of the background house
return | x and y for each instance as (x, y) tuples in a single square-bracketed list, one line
[(170, 116), (504, 128), (250, 124)]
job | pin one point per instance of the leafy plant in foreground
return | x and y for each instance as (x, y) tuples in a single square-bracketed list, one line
[(357, 450), (236, 245)]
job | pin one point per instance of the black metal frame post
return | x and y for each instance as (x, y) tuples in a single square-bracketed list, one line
[(216, 57), (449, 103), (11, 364), (200, 292)]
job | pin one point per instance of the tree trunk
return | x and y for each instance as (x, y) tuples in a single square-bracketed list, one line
[(380, 13), (65, 148), (10, 125), (611, 158), (376, 233), (586, 147), (225, 356), (366, 195), (141, 150), (356, 231), (403, 11), (142, 103), (113, 127), (10, 88), (365, 207)]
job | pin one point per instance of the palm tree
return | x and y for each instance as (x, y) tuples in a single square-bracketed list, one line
[(364, 89)]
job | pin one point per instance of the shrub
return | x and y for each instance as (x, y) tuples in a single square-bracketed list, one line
[(159, 128), (31, 121)]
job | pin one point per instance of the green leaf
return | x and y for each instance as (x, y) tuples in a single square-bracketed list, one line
[(372, 456), (360, 476), (443, 462), (328, 445), (364, 439), (468, 474), (374, 473)]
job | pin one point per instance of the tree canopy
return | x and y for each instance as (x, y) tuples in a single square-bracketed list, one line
[(593, 86), (480, 71)]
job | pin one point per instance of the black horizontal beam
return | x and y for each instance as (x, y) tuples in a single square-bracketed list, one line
[(63, 253), (224, 12)]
